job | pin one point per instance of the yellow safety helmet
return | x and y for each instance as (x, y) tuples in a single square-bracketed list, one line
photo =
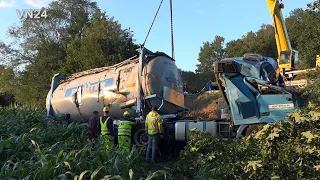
[(106, 109), (126, 113)]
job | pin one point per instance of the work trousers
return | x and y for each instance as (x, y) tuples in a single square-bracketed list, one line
[(152, 147), (124, 143), (106, 141), (91, 135)]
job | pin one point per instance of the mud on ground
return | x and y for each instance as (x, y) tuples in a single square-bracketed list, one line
[(203, 106)]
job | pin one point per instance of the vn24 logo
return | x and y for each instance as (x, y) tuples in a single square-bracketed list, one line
[(32, 13)]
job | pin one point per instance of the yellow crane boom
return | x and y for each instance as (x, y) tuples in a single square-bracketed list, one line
[(281, 34), (287, 57)]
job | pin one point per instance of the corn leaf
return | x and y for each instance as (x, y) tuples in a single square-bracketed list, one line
[(82, 174), (95, 172)]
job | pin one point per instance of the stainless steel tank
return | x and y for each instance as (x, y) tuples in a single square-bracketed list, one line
[(116, 86)]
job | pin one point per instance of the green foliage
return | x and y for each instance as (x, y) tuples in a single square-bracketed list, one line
[(7, 79), (315, 5), (104, 43), (35, 81), (311, 93), (7, 82), (37, 148), (282, 150), (304, 31), (209, 53), (260, 42), (196, 81)]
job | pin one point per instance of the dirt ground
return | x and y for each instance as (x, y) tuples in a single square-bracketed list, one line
[(203, 106)]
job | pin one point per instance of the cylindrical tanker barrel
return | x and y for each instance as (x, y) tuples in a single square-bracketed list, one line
[(162, 77), (116, 87)]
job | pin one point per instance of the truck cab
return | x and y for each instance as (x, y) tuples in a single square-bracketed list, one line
[(247, 87)]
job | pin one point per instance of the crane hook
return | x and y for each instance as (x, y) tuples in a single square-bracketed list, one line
[(281, 5)]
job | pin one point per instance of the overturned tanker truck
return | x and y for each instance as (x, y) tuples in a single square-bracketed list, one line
[(136, 84)]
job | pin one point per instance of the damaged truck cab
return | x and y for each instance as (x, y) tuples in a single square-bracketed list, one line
[(249, 87)]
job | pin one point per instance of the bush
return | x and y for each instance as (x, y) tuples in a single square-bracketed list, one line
[(312, 92), (282, 150)]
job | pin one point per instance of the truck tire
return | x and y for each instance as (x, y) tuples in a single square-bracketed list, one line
[(252, 129), (140, 137)]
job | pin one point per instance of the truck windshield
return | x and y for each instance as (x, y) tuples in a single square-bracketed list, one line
[(264, 89), (285, 57), (267, 90)]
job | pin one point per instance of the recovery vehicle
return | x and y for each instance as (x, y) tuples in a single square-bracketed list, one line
[(288, 58)]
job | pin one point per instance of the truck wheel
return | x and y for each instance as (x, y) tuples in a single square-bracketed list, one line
[(140, 138), (252, 129)]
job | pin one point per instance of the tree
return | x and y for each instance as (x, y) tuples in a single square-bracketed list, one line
[(66, 20), (76, 36), (235, 48), (7, 79), (304, 31), (104, 43), (34, 82), (266, 42), (315, 5), (260, 42), (209, 53), (7, 82), (196, 80), (43, 47)]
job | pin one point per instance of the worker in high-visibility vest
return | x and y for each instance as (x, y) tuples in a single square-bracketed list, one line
[(105, 129), (124, 132), (318, 61), (153, 128)]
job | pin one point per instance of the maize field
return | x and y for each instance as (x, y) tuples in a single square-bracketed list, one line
[(33, 147)]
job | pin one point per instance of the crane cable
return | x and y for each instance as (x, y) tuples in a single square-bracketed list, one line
[(171, 21), (152, 23), (172, 42)]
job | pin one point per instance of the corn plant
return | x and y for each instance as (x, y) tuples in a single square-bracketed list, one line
[(33, 147)]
